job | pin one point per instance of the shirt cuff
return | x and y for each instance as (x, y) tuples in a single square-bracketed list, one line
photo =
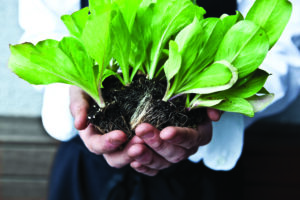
[(56, 117), (225, 148)]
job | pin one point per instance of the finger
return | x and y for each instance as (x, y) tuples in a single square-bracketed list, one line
[(168, 151), (143, 169), (145, 156), (79, 104), (120, 158), (100, 144), (214, 114), (188, 138)]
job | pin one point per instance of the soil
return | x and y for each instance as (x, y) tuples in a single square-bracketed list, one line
[(129, 106)]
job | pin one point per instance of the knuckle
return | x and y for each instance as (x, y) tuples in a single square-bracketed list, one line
[(148, 161), (180, 155), (158, 146)]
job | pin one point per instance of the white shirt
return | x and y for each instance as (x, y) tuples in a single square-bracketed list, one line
[(40, 19)]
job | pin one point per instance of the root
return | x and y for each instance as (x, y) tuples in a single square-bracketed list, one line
[(141, 111)]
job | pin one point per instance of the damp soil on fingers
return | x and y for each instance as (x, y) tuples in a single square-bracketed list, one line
[(141, 102)]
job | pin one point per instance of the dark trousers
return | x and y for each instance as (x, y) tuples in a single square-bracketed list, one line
[(78, 174)]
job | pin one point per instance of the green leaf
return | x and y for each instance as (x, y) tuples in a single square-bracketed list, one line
[(128, 10), (219, 76), (96, 36), (121, 44), (141, 37), (171, 67), (237, 105), (51, 61), (204, 102), (245, 45), (169, 17), (20, 63), (188, 43), (75, 22), (272, 16), (173, 64), (95, 5), (209, 41), (230, 20), (248, 88), (197, 43)]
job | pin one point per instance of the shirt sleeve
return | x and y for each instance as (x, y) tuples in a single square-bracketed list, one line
[(40, 20), (283, 62)]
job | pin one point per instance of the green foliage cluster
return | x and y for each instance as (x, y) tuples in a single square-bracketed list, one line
[(213, 61)]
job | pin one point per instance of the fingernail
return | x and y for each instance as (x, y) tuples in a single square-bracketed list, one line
[(148, 135)]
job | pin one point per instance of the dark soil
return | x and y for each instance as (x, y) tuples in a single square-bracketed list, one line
[(127, 107)]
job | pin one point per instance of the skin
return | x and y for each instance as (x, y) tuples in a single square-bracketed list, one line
[(150, 150)]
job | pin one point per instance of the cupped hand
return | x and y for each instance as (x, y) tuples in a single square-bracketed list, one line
[(108, 144), (150, 150), (170, 145)]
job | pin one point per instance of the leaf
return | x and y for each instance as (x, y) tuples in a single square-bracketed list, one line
[(141, 37), (219, 76), (248, 88), (96, 37), (76, 21), (211, 37), (169, 17), (173, 64), (260, 102), (238, 105), (188, 43), (197, 43), (272, 16), (171, 67), (51, 61), (203, 102), (245, 45), (20, 64), (120, 37), (128, 10), (230, 20)]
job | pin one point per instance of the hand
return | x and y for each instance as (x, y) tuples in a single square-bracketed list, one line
[(164, 148), (171, 145), (108, 144)]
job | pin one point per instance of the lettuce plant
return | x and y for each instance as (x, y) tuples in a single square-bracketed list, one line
[(214, 62)]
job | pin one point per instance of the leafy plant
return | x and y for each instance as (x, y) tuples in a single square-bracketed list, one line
[(214, 62)]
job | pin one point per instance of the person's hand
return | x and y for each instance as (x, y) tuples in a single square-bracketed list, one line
[(171, 145), (108, 144), (145, 154)]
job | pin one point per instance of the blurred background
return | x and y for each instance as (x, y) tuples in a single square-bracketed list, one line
[(268, 169), (26, 151)]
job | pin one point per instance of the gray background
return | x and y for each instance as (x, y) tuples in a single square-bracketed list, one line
[(17, 97)]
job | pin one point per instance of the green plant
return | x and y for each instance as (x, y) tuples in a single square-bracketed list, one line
[(213, 61)]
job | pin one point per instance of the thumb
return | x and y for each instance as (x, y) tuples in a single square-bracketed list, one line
[(79, 105)]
